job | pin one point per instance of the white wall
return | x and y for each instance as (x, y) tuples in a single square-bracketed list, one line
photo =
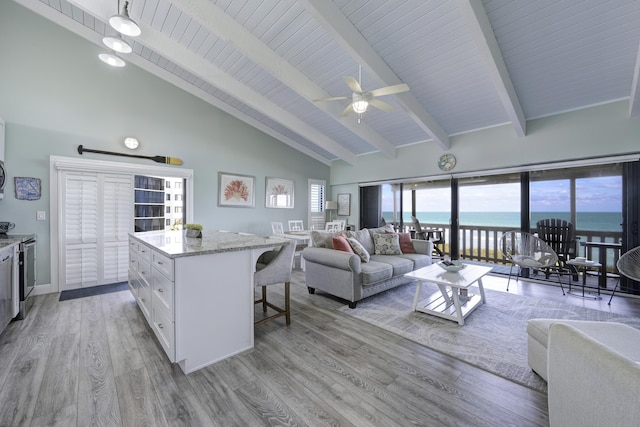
[(55, 95)]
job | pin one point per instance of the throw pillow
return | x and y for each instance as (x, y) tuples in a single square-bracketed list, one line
[(386, 244), (359, 249), (405, 243), (324, 239), (340, 243), (363, 237)]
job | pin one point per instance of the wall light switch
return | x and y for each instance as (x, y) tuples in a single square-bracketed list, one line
[(41, 216)]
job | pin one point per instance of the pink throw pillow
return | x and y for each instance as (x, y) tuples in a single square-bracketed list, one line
[(340, 243), (405, 243)]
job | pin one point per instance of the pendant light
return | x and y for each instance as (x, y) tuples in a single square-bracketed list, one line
[(117, 44), (123, 23), (112, 59)]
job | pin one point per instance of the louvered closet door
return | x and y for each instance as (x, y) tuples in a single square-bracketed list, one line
[(97, 212)]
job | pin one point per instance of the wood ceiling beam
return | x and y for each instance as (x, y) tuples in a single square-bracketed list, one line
[(350, 39), (634, 101), (215, 20), (172, 50), (481, 31)]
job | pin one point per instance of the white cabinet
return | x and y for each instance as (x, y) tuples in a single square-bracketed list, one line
[(200, 306)]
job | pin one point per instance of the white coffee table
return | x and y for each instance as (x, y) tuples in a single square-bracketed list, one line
[(446, 303)]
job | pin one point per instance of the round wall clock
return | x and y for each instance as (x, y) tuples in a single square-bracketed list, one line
[(447, 162)]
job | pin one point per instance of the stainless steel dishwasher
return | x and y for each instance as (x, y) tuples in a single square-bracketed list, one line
[(6, 287)]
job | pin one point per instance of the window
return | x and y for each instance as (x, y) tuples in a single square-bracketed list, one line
[(316, 204), (168, 209), (178, 184), (178, 209), (167, 222), (178, 197), (168, 197), (167, 184)]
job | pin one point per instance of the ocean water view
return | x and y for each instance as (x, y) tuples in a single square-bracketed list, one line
[(592, 221)]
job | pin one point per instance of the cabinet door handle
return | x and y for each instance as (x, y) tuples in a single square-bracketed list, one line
[(161, 290), (160, 325), (159, 262)]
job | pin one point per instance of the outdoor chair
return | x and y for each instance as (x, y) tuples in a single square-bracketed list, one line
[(525, 250), (629, 266), (274, 267), (435, 236), (560, 236)]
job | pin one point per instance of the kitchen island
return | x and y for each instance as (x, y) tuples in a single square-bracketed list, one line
[(197, 293)]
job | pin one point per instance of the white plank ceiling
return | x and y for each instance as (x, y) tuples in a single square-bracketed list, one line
[(470, 64)]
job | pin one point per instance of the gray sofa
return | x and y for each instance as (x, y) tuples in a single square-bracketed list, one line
[(346, 276)]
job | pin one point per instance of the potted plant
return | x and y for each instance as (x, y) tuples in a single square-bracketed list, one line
[(193, 230)]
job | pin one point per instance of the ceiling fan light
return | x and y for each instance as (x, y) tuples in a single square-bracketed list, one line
[(360, 106), (117, 44), (124, 24), (131, 143), (111, 59)]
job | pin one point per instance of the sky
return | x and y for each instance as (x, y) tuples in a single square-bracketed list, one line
[(600, 194)]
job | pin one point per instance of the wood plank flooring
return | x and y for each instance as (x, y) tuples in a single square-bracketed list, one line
[(94, 361)]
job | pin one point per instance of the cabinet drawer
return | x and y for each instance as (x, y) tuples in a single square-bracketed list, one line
[(163, 264), (144, 299), (163, 293), (165, 332), (138, 249)]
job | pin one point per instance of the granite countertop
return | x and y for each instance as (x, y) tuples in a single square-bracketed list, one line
[(174, 244)]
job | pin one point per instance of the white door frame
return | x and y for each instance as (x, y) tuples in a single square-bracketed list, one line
[(58, 164)]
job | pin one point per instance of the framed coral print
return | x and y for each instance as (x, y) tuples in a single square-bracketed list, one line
[(279, 193), (344, 204), (236, 191)]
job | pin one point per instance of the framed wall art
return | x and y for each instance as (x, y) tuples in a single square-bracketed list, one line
[(344, 204), (279, 193), (27, 188), (236, 190)]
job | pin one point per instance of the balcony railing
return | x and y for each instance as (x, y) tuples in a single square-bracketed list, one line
[(481, 243)]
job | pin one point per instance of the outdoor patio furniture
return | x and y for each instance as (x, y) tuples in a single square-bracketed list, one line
[(560, 236), (525, 250), (629, 266)]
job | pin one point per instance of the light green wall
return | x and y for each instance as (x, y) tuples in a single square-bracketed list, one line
[(594, 132), (55, 95)]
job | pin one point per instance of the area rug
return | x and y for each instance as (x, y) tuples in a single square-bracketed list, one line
[(92, 291), (494, 336)]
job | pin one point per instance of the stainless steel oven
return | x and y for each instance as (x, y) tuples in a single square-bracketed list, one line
[(27, 274)]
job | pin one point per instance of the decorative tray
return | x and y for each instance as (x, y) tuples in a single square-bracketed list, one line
[(453, 267)]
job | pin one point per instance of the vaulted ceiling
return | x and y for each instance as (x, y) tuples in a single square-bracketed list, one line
[(469, 64)]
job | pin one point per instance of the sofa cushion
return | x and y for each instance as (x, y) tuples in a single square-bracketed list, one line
[(406, 246), (340, 243), (374, 272), (358, 249), (399, 264), (364, 238), (324, 239), (386, 244), (383, 229), (419, 260)]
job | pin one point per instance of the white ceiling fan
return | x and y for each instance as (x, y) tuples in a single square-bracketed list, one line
[(361, 99)]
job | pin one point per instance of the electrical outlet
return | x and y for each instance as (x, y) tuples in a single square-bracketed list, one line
[(41, 216)]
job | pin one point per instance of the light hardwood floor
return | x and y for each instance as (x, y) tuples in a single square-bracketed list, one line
[(94, 361)]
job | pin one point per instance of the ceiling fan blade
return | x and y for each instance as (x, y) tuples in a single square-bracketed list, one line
[(381, 105), (353, 84), (335, 98), (390, 90), (347, 110)]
